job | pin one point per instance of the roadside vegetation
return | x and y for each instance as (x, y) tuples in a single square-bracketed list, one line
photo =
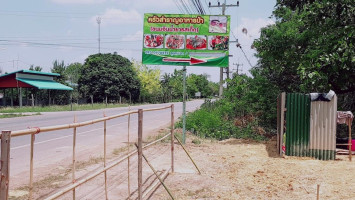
[(107, 81), (310, 48), (247, 111), (12, 115), (57, 108)]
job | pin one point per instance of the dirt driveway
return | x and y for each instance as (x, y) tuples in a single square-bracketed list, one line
[(231, 169), (240, 169)]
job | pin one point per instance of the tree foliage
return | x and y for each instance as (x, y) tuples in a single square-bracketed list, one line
[(150, 82), (311, 46), (60, 96), (109, 75), (37, 68), (198, 83), (73, 72)]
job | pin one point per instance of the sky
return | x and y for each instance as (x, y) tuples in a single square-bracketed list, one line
[(39, 32)]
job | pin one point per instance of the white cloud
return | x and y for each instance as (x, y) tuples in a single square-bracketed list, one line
[(78, 1), (146, 4), (118, 17), (137, 36)]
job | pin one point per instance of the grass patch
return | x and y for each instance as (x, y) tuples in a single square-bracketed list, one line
[(157, 137), (12, 115), (57, 108), (196, 141), (91, 161), (119, 151), (218, 120), (49, 182)]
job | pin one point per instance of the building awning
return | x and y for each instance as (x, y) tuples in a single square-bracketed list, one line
[(45, 84)]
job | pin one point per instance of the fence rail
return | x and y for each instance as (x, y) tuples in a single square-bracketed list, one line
[(5, 137)]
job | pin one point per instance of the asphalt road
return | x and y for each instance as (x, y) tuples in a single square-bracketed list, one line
[(56, 146)]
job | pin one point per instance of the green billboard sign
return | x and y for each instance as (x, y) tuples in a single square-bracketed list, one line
[(190, 40)]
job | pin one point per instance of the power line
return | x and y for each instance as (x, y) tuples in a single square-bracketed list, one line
[(179, 7), (209, 10), (186, 7), (245, 55), (56, 45), (72, 43)]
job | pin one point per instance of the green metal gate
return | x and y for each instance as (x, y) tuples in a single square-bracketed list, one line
[(297, 124)]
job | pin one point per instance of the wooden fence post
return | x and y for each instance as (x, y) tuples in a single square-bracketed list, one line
[(172, 138), (5, 164), (350, 140), (33, 100), (105, 173), (31, 166), (74, 157), (140, 153), (128, 159)]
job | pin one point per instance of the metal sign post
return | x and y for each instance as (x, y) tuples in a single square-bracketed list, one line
[(186, 40), (184, 106)]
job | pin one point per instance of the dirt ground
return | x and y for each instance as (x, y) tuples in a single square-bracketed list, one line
[(240, 169), (231, 169)]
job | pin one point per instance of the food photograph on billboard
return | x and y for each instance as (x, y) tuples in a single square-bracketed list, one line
[(186, 40)]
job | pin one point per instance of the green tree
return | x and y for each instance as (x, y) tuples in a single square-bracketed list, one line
[(311, 46), (37, 68), (150, 82), (213, 87), (60, 96), (73, 72), (109, 75), (166, 88), (198, 83), (176, 84)]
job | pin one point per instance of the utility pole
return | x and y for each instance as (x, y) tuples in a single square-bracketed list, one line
[(98, 20), (224, 6), (237, 64)]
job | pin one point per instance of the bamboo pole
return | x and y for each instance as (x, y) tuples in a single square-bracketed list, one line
[(188, 154), (98, 172), (88, 178), (105, 173), (350, 142), (155, 109), (318, 191), (184, 106), (156, 174), (33, 100), (5, 164), (172, 138), (155, 184), (66, 126), (128, 159), (31, 166), (74, 144), (140, 153)]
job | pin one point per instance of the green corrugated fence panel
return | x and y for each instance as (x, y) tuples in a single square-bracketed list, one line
[(322, 154), (297, 124)]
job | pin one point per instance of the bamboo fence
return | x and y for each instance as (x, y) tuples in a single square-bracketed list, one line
[(6, 136)]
